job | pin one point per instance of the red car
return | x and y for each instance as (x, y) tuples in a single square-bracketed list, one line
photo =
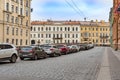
[(63, 49)]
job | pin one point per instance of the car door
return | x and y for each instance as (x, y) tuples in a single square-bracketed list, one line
[(9, 50), (2, 52)]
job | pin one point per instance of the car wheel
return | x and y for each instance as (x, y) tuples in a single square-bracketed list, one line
[(21, 58), (13, 59)]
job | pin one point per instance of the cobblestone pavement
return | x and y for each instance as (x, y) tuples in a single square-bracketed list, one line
[(83, 65), (114, 65)]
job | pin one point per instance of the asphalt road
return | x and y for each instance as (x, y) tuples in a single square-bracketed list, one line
[(83, 65)]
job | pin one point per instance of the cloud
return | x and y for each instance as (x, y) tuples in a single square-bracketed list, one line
[(59, 9)]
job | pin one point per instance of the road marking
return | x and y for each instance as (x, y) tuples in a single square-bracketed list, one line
[(104, 73)]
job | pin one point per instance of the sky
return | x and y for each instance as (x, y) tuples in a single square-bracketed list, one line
[(71, 9)]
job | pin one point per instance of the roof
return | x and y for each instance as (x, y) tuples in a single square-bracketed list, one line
[(82, 23), (55, 23)]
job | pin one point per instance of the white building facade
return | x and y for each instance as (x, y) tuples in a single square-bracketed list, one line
[(47, 32)]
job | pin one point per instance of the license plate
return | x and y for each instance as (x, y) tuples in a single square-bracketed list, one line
[(24, 55)]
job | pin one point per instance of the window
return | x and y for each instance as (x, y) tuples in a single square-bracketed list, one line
[(68, 29), (76, 35), (61, 28), (12, 19), (41, 28), (65, 29), (21, 11), (12, 8), (21, 2), (65, 35), (7, 17), (21, 42), (46, 35), (73, 29), (21, 22), (12, 41), (26, 12), (26, 42), (16, 20), (81, 28), (38, 28), (72, 35), (76, 29), (42, 36), (16, 31), (46, 29), (53, 35), (27, 4), (7, 6), (12, 30), (27, 23), (34, 29), (68, 35), (21, 32), (49, 35), (16, 9), (7, 40), (96, 29), (16, 41), (7, 31), (49, 28), (26, 32), (76, 41), (57, 28), (53, 28)]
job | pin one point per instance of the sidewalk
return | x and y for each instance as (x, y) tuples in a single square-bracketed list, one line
[(104, 73), (110, 67)]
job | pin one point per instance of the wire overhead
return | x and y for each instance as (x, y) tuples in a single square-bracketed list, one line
[(76, 9)]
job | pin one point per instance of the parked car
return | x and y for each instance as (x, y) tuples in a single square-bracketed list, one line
[(8, 52), (75, 48), (52, 50), (71, 49), (63, 49), (91, 46), (32, 52)]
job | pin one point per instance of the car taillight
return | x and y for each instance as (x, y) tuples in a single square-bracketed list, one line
[(51, 49), (20, 51), (31, 51)]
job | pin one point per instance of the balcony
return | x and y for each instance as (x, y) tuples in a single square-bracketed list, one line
[(57, 38), (104, 36)]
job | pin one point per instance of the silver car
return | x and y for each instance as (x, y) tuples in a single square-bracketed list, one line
[(52, 50)]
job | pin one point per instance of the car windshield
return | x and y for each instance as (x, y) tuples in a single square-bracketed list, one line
[(59, 46), (26, 48), (47, 47)]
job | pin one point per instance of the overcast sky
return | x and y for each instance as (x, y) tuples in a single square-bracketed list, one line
[(66, 9)]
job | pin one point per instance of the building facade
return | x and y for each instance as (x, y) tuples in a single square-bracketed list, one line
[(116, 25), (45, 32), (15, 22), (95, 32)]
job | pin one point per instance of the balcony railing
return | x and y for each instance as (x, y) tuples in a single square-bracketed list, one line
[(104, 36), (57, 38)]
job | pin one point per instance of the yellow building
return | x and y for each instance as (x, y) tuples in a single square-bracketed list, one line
[(15, 22), (95, 32)]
